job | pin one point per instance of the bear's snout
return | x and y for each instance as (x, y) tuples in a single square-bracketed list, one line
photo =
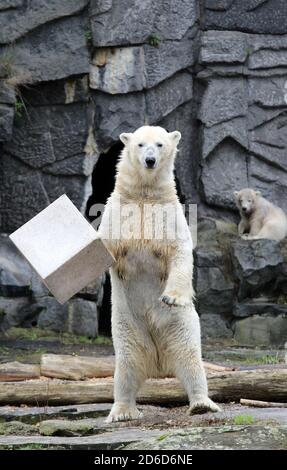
[(150, 162)]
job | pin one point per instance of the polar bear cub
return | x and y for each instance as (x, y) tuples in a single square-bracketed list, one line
[(259, 217), (155, 326)]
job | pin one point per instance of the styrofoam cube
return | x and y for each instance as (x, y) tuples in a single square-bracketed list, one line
[(63, 248)]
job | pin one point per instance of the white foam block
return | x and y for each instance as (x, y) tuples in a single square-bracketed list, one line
[(63, 248)]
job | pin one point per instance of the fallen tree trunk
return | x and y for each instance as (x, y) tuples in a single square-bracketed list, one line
[(14, 371), (223, 387), (262, 404), (76, 367), (63, 366)]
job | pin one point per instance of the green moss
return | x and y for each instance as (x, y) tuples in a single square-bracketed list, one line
[(34, 334), (162, 437), (282, 300), (243, 419), (154, 40), (6, 64), (19, 107), (17, 428)]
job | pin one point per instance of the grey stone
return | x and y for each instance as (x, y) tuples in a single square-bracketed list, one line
[(6, 4), (67, 91), (6, 122), (206, 257), (109, 440), (133, 21), (53, 315), (225, 46), (46, 134), (182, 119), (17, 21), (262, 330), (269, 141), (168, 95), (128, 69), (77, 187), (22, 193), (9, 311), (63, 427), (234, 129), (94, 291), (270, 180), (114, 115), (54, 51), (224, 171), (17, 428), (15, 271), (224, 99), (7, 93), (258, 307), (83, 318), (258, 16), (214, 291), (257, 265), (227, 437), (214, 326)]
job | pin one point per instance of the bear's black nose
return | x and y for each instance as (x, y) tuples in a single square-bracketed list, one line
[(244, 209), (150, 162)]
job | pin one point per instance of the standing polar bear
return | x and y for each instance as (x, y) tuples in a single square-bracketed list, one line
[(259, 217), (155, 327)]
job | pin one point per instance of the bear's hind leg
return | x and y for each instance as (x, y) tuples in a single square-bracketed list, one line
[(184, 353), (127, 381)]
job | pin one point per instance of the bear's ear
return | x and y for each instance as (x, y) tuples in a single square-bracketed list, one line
[(258, 193), (175, 136), (235, 194), (125, 137)]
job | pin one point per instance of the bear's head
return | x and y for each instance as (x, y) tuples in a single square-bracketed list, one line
[(150, 149), (246, 200)]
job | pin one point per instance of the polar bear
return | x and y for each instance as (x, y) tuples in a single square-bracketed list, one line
[(155, 326), (259, 217)]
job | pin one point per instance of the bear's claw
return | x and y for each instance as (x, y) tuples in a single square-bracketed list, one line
[(176, 301), (202, 405), (123, 412)]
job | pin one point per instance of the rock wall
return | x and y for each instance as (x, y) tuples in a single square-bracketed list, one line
[(75, 74)]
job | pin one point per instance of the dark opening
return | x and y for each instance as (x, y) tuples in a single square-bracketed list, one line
[(103, 182)]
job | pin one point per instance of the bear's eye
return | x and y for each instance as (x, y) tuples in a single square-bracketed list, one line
[(159, 144), (141, 145), (249, 200)]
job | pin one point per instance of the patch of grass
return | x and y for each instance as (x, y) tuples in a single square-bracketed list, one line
[(71, 339), (19, 107), (282, 300), (6, 64), (154, 40), (162, 437), (244, 419), (263, 360), (34, 334)]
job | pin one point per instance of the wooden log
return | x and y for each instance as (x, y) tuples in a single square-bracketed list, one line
[(217, 368), (223, 387), (69, 367), (262, 404), (14, 371), (76, 367)]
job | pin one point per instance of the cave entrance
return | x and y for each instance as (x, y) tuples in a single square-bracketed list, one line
[(103, 182)]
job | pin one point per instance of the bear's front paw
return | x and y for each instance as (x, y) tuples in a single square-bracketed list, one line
[(202, 404), (246, 236), (123, 412), (174, 299)]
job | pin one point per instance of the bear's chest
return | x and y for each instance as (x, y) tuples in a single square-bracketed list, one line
[(142, 258)]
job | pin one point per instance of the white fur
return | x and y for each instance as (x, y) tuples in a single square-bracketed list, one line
[(155, 327), (261, 218)]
